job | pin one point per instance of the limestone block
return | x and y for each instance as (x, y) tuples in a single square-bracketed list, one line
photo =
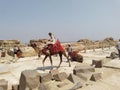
[(3, 84), (97, 63), (15, 87), (96, 76), (45, 77), (83, 69), (43, 87), (73, 78), (29, 80), (76, 86), (84, 76), (60, 77), (54, 71)]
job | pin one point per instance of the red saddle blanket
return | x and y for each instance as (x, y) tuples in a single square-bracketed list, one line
[(73, 54), (54, 48)]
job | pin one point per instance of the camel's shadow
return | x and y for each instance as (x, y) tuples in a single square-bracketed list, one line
[(46, 68)]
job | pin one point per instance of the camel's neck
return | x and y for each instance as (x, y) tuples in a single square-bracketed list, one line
[(36, 49)]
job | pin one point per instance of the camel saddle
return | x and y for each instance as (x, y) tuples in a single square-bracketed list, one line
[(54, 48)]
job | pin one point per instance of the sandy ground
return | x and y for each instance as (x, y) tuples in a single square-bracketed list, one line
[(110, 71)]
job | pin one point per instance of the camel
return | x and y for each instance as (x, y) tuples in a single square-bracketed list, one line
[(52, 50)]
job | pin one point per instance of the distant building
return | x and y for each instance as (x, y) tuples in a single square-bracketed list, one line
[(9, 43)]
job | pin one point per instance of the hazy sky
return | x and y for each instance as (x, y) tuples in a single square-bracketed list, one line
[(68, 20)]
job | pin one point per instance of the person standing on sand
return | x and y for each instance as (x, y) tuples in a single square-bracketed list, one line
[(15, 51), (69, 50), (19, 52), (118, 48)]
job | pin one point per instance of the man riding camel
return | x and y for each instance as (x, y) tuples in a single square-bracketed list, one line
[(51, 41), (52, 47)]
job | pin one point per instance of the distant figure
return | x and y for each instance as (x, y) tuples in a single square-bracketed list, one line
[(15, 51), (3, 53), (69, 50), (19, 52), (118, 47)]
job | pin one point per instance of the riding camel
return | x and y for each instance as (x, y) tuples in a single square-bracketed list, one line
[(51, 50)]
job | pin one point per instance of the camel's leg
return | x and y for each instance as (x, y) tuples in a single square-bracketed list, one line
[(39, 54), (51, 61), (44, 61), (67, 59), (60, 54)]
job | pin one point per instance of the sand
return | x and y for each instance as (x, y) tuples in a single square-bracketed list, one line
[(11, 71)]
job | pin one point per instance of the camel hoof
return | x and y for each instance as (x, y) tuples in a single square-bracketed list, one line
[(69, 65)]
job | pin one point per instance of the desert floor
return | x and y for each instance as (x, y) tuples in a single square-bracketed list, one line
[(11, 70)]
